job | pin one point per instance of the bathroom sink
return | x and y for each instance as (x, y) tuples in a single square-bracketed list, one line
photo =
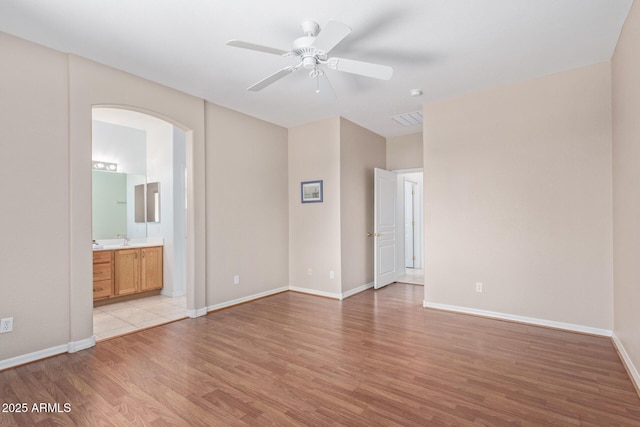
[(127, 246)]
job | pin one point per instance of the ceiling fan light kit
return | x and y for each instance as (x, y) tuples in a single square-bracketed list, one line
[(312, 50)]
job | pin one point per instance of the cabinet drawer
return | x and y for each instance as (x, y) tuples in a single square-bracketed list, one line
[(101, 272), (101, 289), (102, 256)]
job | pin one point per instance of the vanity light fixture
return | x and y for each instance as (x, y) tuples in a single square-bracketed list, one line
[(105, 166)]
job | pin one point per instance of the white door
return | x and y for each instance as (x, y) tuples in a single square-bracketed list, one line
[(385, 220)]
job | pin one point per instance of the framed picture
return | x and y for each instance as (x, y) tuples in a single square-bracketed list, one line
[(311, 191)]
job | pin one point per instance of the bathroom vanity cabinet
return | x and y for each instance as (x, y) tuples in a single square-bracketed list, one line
[(102, 274), (137, 270), (128, 271)]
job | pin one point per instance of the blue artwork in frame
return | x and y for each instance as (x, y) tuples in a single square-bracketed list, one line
[(311, 191)]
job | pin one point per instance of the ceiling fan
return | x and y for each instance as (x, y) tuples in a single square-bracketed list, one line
[(312, 51)]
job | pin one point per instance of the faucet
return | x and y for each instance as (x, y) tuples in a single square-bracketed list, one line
[(125, 240)]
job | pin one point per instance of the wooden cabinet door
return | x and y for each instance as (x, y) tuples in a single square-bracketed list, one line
[(102, 274), (151, 269), (127, 271)]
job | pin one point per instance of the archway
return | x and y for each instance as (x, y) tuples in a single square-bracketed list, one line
[(143, 152)]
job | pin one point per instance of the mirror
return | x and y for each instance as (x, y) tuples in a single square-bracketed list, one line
[(153, 202), (147, 202), (113, 203)]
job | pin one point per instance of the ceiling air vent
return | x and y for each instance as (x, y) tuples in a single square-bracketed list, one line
[(409, 119)]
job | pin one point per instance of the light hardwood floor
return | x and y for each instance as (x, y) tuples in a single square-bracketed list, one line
[(377, 358)]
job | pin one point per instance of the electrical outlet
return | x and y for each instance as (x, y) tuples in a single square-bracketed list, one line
[(6, 325), (332, 274), (236, 280), (309, 272), (478, 287)]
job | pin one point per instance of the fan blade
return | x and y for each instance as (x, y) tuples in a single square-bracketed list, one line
[(259, 48), (368, 69), (272, 79), (324, 89), (332, 34)]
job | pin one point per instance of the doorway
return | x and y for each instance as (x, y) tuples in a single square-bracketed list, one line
[(410, 238), (145, 150), (413, 226), (398, 227)]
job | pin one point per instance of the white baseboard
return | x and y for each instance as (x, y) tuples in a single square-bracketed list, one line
[(277, 291), (32, 357), (633, 371), (71, 347), (197, 312), (331, 294), (172, 294), (521, 319), (76, 346), (246, 299), (316, 292), (356, 290)]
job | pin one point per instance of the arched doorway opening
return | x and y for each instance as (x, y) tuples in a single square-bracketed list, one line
[(139, 207)]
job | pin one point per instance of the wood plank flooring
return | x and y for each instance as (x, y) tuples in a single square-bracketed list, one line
[(376, 359)]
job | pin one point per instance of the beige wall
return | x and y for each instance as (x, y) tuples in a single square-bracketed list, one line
[(404, 152), (360, 152), (45, 131), (34, 184), (247, 205), (331, 236), (314, 228), (626, 187), (94, 84), (519, 198)]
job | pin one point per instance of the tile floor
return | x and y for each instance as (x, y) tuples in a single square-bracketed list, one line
[(123, 317), (414, 276)]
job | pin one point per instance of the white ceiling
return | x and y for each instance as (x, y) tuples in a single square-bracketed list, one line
[(443, 47)]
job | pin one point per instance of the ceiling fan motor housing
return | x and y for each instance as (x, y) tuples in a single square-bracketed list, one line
[(303, 49)]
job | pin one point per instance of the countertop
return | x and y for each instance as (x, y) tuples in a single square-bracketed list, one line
[(113, 244)]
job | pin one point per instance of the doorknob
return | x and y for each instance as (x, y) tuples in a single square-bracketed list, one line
[(369, 234)]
